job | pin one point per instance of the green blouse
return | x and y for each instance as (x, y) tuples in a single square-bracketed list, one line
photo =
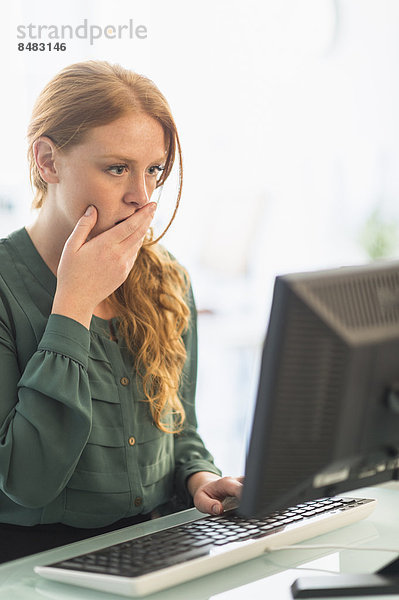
[(77, 441)]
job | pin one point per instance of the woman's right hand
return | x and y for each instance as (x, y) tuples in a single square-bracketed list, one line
[(89, 271)]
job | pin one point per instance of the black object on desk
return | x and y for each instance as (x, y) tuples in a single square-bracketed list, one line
[(384, 582)]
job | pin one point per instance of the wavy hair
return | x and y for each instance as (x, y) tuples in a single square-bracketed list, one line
[(152, 302)]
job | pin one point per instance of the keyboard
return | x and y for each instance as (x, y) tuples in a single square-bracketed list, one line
[(153, 562)]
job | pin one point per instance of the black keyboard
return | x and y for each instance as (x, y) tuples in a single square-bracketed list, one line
[(195, 539)]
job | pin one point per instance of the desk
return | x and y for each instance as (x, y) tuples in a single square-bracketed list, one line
[(268, 577)]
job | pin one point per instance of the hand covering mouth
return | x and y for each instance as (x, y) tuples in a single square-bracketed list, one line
[(121, 220)]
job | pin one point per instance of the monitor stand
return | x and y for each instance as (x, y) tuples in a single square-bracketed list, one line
[(384, 582)]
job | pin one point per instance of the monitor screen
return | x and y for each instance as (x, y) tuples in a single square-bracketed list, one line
[(327, 412)]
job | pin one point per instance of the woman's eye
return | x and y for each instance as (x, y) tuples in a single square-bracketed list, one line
[(156, 170), (118, 169)]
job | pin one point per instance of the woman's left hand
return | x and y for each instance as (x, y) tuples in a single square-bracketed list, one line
[(211, 493)]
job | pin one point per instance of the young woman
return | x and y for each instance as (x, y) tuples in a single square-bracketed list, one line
[(97, 325)]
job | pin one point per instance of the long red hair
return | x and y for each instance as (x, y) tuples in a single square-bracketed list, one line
[(152, 302)]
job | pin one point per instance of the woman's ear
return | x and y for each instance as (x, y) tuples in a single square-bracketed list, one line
[(44, 151)]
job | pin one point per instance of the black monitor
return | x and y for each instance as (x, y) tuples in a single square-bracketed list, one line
[(327, 412)]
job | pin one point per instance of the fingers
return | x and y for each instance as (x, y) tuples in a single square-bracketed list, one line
[(136, 225), (82, 228), (133, 228), (226, 486), (206, 504), (213, 497)]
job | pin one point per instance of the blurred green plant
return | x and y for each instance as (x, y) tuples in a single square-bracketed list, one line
[(379, 236)]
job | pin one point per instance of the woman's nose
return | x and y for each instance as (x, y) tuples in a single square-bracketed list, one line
[(137, 193)]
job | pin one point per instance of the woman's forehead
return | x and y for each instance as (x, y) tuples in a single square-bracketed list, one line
[(122, 136)]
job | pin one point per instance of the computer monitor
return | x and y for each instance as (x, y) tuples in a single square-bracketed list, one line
[(327, 412)]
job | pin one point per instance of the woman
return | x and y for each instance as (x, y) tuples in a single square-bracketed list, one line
[(97, 325)]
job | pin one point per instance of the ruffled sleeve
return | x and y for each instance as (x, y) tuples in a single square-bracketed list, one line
[(45, 411)]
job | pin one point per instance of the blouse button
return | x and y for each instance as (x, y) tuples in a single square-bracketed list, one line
[(124, 380), (138, 501), (132, 441)]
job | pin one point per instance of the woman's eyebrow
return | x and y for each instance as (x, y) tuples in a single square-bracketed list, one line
[(128, 160)]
